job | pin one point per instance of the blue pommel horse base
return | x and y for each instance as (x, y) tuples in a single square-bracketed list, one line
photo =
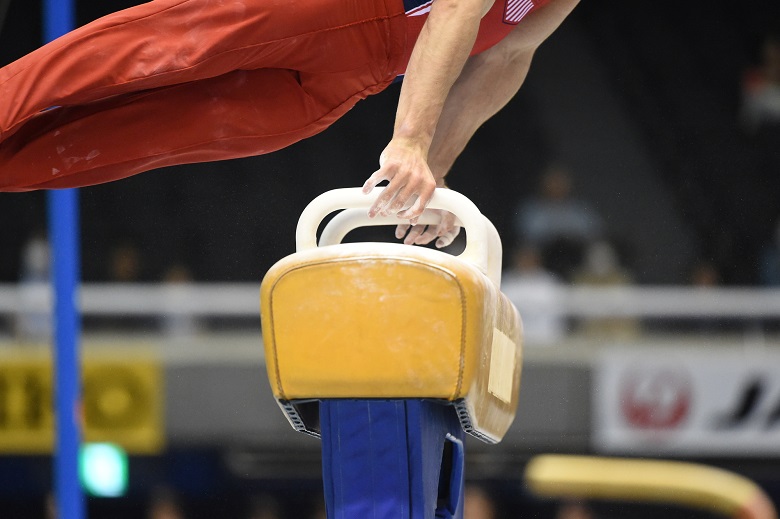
[(391, 354), (391, 459)]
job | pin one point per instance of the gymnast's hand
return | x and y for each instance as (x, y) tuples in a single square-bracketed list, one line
[(444, 233), (403, 163)]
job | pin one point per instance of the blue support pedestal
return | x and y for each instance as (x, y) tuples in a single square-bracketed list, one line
[(391, 459)]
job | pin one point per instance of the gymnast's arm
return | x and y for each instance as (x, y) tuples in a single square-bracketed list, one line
[(486, 84), (437, 59)]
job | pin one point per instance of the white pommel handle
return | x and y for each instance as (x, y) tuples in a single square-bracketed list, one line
[(483, 245)]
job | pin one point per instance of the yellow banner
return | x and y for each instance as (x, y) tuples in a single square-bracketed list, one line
[(122, 401)]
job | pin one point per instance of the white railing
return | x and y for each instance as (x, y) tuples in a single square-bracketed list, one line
[(138, 300), (243, 300), (652, 302)]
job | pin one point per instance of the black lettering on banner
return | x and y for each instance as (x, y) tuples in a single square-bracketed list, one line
[(747, 403), (747, 407), (36, 402), (774, 417), (25, 401), (121, 402)]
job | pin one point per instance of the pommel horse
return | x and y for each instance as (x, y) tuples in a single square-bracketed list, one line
[(390, 354)]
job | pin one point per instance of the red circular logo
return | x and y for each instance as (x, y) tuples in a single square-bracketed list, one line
[(655, 399)]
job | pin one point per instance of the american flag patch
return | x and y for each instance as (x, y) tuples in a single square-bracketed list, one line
[(515, 10), (418, 10)]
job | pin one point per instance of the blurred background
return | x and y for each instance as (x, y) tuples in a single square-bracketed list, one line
[(634, 182)]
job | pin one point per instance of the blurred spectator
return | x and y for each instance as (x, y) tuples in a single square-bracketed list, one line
[(33, 320), (558, 224), (124, 266), (50, 506), (178, 322), (478, 504), (124, 263), (537, 295), (319, 508), (770, 261), (264, 506), (164, 504), (36, 259), (761, 89), (705, 275), (574, 510), (602, 268)]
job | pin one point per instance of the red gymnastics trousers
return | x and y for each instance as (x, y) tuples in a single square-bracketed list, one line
[(181, 81)]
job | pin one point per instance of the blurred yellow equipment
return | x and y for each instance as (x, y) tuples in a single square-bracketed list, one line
[(670, 482)]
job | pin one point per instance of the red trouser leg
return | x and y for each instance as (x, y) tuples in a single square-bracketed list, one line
[(239, 114), (230, 79)]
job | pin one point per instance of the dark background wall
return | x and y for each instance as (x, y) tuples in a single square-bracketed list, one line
[(641, 104)]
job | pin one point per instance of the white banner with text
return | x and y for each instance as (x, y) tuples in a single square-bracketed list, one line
[(673, 401)]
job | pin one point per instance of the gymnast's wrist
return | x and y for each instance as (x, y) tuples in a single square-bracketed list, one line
[(441, 183)]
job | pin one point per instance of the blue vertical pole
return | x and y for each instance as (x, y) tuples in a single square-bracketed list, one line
[(64, 236)]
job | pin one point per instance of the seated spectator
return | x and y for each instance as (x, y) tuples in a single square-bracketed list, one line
[(164, 504), (124, 263), (558, 224), (478, 504), (537, 295), (574, 510), (177, 322), (761, 89), (33, 318), (769, 269), (319, 509), (602, 269), (264, 507), (705, 275)]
